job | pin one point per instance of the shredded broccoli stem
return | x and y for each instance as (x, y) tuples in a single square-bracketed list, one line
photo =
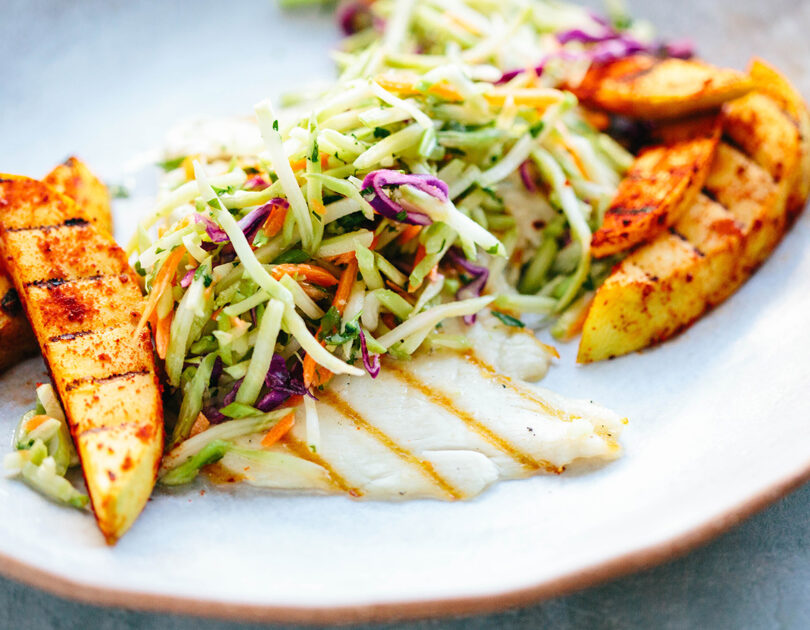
[(269, 327)]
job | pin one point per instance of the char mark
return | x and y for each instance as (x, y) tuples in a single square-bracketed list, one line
[(98, 380), (75, 222)]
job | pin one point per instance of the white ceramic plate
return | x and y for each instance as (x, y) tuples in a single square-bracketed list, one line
[(718, 415)]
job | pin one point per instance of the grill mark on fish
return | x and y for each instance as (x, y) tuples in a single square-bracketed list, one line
[(440, 399), (98, 379), (332, 399), (301, 450), (491, 372)]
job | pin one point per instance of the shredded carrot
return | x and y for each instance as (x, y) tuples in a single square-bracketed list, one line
[(418, 257), (324, 161), (344, 288), (293, 401), (533, 97), (312, 291), (162, 335), (163, 281), (398, 289), (344, 259), (275, 221), (318, 207), (279, 430), (311, 273), (409, 233), (421, 252), (314, 374), (36, 421), (573, 153), (309, 370), (404, 84), (200, 425), (188, 166), (389, 320), (299, 165), (445, 91), (399, 84), (216, 313)]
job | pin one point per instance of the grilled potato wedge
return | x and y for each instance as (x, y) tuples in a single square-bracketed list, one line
[(660, 186), (665, 285), (75, 180), (642, 86), (84, 303)]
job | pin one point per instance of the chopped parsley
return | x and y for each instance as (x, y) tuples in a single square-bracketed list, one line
[(509, 320)]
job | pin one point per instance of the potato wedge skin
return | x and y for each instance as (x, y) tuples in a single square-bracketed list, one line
[(756, 195), (74, 179), (769, 81), (660, 186), (755, 200), (84, 309), (644, 87)]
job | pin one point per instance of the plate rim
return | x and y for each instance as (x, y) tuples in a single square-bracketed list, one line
[(640, 559)]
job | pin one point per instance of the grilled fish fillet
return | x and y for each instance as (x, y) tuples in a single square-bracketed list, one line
[(84, 302), (443, 425)]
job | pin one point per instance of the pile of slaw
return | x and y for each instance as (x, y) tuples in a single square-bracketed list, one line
[(444, 174)]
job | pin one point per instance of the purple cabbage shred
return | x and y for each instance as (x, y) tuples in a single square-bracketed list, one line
[(526, 176), (608, 44), (281, 384), (475, 287), (370, 361), (215, 233), (256, 183), (389, 208), (186, 281), (251, 222), (216, 371)]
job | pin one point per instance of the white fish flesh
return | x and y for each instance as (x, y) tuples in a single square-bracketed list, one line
[(444, 425)]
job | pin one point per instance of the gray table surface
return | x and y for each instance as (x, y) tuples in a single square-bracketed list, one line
[(757, 576)]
